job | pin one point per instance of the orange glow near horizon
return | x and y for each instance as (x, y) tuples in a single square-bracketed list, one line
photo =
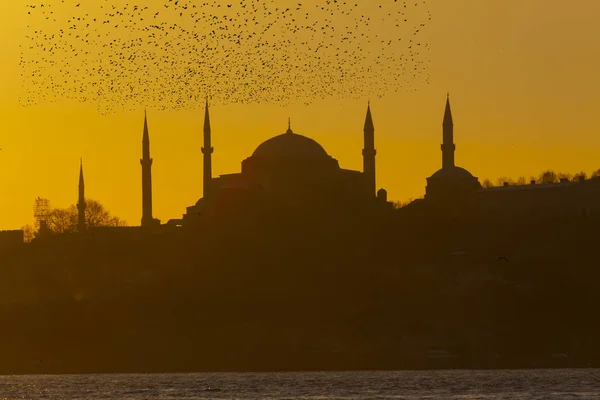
[(524, 87)]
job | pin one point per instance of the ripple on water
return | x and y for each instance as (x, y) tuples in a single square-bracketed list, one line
[(400, 385)]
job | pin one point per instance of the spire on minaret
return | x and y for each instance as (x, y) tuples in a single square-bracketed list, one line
[(146, 163), (145, 134), (81, 200), (447, 112), (448, 145), (206, 118), (81, 182), (369, 119), (207, 150), (369, 152)]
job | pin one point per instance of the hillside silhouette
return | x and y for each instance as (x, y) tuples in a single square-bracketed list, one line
[(298, 294)]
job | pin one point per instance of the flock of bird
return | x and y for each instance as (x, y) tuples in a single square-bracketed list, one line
[(171, 54)]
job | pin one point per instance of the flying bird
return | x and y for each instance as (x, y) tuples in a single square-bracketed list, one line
[(169, 54)]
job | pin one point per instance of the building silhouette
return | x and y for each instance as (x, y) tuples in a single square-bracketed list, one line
[(455, 191), (450, 183), (288, 170)]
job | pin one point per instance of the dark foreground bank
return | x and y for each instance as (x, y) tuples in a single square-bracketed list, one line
[(294, 295)]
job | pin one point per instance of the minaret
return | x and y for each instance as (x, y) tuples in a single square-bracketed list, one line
[(81, 201), (448, 146), (369, 152), (207, 150), (146, 163)]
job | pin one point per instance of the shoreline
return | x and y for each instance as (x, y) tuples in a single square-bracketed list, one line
[(303, 369)]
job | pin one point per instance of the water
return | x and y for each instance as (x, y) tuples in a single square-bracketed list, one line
[(432, 385)]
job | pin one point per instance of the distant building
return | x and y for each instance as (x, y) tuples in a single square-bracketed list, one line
[(562, 199), (457, 192), (289, 169), (450, 183)]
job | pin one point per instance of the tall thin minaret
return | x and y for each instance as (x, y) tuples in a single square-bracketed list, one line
[(207, 150), (369, 152), (81, 201), (448, 145), (146, 163)]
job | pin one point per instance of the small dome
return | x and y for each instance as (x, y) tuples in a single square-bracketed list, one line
[(452, 173), (290, 145)]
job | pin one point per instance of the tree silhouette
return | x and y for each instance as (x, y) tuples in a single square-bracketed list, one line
[(548, 176), (64, 220), (28, 233), (565, 175), (500, 181), (580, 176), (97, 216), (401, 204), (487, 183)]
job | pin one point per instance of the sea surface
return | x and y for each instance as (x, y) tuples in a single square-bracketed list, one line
[(488, 385)]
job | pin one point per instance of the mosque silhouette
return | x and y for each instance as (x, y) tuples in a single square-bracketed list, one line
[(291, 174), (289, 170), (296, 171)]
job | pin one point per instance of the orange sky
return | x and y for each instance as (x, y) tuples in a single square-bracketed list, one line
[(524, 82)]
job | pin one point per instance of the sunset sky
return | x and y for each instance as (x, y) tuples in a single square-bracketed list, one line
[(524, 83)]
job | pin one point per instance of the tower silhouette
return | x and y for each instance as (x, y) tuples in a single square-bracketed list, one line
[(369, 152), (146, 163), (207, 150), (448, 145), (81, 201)]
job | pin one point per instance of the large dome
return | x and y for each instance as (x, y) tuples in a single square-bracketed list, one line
[(290, 145)]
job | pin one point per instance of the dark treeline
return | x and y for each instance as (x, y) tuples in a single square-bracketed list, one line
[(548, 176), (331, 291)]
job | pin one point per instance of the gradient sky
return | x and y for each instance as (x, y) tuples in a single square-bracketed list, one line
[(523, 76)]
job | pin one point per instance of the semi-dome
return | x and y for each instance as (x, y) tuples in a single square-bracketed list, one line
[(450, 182), (290, 145), (452, 173)]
